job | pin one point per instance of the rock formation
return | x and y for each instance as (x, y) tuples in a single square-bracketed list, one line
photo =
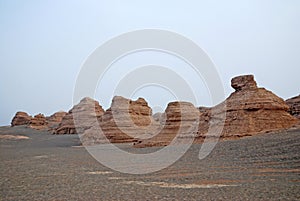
[(159, 117), (180, 119), (85, 113), (249, 110), (38, 122), (21, 118), (55, 119), (294, 106), (125, 121)]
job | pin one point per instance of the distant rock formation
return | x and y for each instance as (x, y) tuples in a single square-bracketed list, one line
[(294, 106), (249, 110), (86, 111), (38, 122), (125, 121), (181, 118), (159, 117), (55, 119), (21, 118)]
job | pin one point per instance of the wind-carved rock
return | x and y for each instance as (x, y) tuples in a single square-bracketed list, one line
[(21, 118), (125, 121), (38, 122), (55, 119), (244, 82), (294, 106), (84, 114), (249, 110), (178, 124)]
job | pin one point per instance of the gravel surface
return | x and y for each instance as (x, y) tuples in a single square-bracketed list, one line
[(54, 167)]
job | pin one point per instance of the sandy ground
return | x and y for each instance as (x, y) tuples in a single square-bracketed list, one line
[(38, 166)]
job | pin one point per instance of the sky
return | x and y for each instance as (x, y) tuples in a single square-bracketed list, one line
[(44, 45)]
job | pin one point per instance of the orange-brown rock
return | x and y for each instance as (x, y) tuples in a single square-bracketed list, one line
[(294, 106), (38, 122), (86, 113), (124, 121), (249, 110), (21, 118), (55, 119), (180, 119)]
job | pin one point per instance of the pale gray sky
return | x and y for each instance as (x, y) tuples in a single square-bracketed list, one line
[(44, 44)]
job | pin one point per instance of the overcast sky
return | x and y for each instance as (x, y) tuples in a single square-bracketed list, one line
[(45, 43)]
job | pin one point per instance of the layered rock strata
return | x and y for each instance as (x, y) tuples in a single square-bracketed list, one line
[(21, 118), (179, 121), (294, 106), (84, 114), (249, 110), (125, 121)]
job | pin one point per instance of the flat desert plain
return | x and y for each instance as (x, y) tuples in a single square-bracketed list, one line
[(36, 165)]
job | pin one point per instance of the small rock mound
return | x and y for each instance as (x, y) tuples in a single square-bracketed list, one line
[(21, 118), (38, 122), (85, 113), (294, 106)]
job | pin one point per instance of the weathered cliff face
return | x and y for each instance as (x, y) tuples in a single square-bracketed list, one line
[(249, 110), (180, 119), (125, 121), (294, 106), (86, 113), (21, 118)]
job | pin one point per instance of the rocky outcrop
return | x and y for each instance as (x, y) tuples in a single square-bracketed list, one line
[(243, 83), (38, 122), (125, 121), (294, 106), (55, 119), (85, 114), (21, 118), (180, 119), (249, 110)]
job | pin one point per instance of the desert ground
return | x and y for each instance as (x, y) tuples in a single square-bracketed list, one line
[(36, 165)]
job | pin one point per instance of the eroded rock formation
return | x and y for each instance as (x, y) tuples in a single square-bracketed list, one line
[(55, 119), (38, 122), (294, 106), (21, 118), (125, 121), (249, 110), (85, 115), (180, 119)]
